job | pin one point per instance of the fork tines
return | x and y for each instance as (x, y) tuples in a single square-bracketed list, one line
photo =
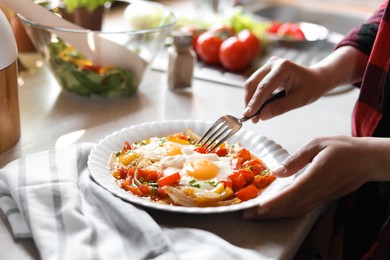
[(218, 133)]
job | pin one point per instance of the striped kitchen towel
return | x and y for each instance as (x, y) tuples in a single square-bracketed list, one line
[(50, 197)]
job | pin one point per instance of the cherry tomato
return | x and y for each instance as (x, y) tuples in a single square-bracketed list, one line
[(291, 30), (207, 47)]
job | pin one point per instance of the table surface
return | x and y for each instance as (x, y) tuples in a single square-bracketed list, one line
[(51, 118)]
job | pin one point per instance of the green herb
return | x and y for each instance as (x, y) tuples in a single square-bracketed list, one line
[(162, 141), (265, 172), (194, 184), (154, 190), (153, 184), (212, 183)]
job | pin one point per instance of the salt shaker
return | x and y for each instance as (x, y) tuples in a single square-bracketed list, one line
[(9, 104), (182, 59)]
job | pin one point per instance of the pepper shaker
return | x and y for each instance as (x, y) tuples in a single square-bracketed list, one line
[(9, 103), (182, 60)]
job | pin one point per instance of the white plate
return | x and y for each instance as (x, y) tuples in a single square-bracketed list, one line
[(269, 151)]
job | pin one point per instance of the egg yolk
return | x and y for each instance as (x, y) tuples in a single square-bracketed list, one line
[(168, 149), (201, 169), (171, 150)]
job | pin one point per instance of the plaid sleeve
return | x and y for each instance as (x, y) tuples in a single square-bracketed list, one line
[(363, 36)]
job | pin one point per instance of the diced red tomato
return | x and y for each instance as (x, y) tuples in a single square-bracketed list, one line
[(126, 147), (123, 173), (238, 180), (130, 172), (244, 154), (227, 183), (149, 175), (262, 182), (161, 192), (145, 189), (236, 163), (127, 185), (182, 136), (256, 165), (169, 179), (221, 151), (251, 162), (200, 150), (248, 175), (247, 193)]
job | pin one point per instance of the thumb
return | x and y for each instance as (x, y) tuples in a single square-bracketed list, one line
[(298, 160)]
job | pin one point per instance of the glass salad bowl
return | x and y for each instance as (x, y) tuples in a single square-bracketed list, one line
[(139, 26)]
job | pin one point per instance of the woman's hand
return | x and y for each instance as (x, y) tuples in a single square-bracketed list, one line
[(303, 86), (336, 166)]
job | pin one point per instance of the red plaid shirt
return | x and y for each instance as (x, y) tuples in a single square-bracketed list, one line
[(372, 112), (367, 225)]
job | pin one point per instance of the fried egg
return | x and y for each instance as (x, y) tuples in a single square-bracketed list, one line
[(171, 157)]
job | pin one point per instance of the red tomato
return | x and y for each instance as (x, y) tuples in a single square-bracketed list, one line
[(238, 52), (291, 30), (234, 54), (274, 26), (252, 42), (227, 183), (223, 31), (207, 47)]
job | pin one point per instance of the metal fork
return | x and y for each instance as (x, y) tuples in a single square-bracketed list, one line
[(228, 125)]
